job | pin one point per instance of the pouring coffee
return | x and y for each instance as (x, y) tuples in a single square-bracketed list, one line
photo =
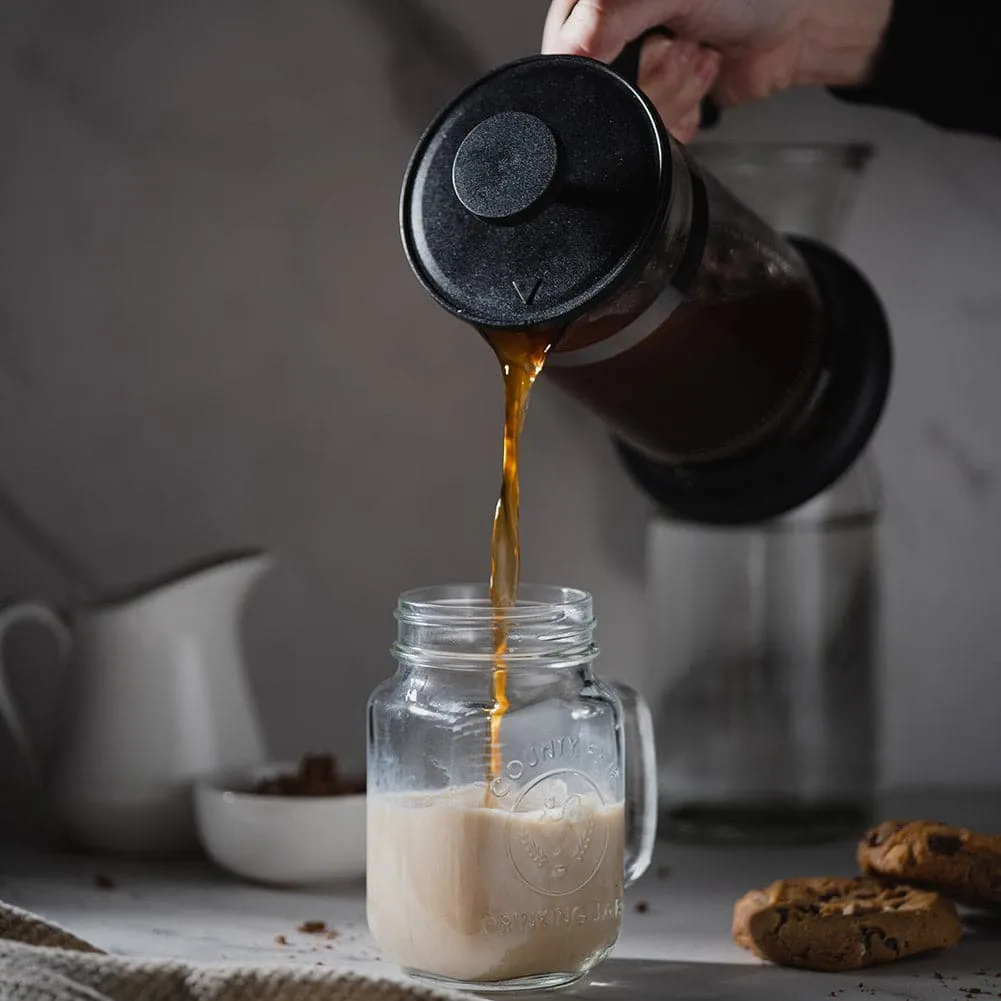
[(740, 372)]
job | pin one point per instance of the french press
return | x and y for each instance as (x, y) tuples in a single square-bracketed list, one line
[(740, 372)]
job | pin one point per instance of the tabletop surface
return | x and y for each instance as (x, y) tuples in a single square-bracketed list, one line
[(675, 941)]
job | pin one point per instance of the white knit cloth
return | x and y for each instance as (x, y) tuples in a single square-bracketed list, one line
[(40, 961)]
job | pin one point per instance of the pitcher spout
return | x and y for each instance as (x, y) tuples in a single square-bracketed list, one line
[(213, 588)]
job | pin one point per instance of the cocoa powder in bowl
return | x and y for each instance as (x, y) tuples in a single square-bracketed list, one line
[(317, 775)]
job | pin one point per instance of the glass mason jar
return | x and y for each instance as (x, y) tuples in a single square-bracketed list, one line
[(516, 882)]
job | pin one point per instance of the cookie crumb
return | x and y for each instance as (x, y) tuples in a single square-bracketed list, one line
[(103, 882), (281, 940), (663, 871), (938, 976), (312, 927), (641, 907), (331, 934)]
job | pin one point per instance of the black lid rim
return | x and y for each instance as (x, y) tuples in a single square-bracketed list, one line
[(614, 279)]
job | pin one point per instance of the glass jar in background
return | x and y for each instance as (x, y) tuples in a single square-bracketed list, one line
[(765, 643), (764, 638), (515, 883), (799, 189)]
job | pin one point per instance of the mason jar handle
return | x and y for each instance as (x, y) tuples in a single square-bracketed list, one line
[(14, 615), (627, 65), (640, 768)]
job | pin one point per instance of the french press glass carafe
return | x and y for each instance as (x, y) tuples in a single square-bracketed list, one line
[(741, 372)]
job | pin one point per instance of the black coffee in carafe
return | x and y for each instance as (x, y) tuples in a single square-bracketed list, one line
[(741, 373)]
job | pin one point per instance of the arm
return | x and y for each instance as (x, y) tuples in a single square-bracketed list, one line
[(940, 60)]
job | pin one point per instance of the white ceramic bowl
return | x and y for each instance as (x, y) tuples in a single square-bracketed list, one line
[(283, 840)]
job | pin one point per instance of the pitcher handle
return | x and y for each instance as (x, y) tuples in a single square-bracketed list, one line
[(627, 65), (640, 764), (13, 615)]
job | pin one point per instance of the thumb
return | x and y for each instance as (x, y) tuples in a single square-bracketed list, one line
[(602, 28)]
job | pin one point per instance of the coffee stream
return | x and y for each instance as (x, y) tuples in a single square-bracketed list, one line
[(521, 356)]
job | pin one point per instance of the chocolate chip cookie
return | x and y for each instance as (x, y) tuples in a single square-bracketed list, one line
[(957, 862), (842, 924)]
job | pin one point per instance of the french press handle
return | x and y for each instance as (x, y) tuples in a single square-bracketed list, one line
[(628, 65)]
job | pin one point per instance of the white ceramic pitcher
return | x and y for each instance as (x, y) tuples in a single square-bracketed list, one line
[(155, 696)]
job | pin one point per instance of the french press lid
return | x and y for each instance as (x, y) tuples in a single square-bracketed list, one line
[(535, 193)]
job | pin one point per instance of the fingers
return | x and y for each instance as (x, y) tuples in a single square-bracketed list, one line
[(602, 28), (676, 75), (687, 128), (756, 73), (754, 78), (558, 12)]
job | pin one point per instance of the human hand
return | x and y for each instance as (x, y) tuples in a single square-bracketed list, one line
[(761, 46), (676, 74)]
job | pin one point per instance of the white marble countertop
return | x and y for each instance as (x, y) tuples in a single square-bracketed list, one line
[(675, 942)]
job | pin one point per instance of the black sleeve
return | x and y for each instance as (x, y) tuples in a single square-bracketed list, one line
[(940, 60)]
